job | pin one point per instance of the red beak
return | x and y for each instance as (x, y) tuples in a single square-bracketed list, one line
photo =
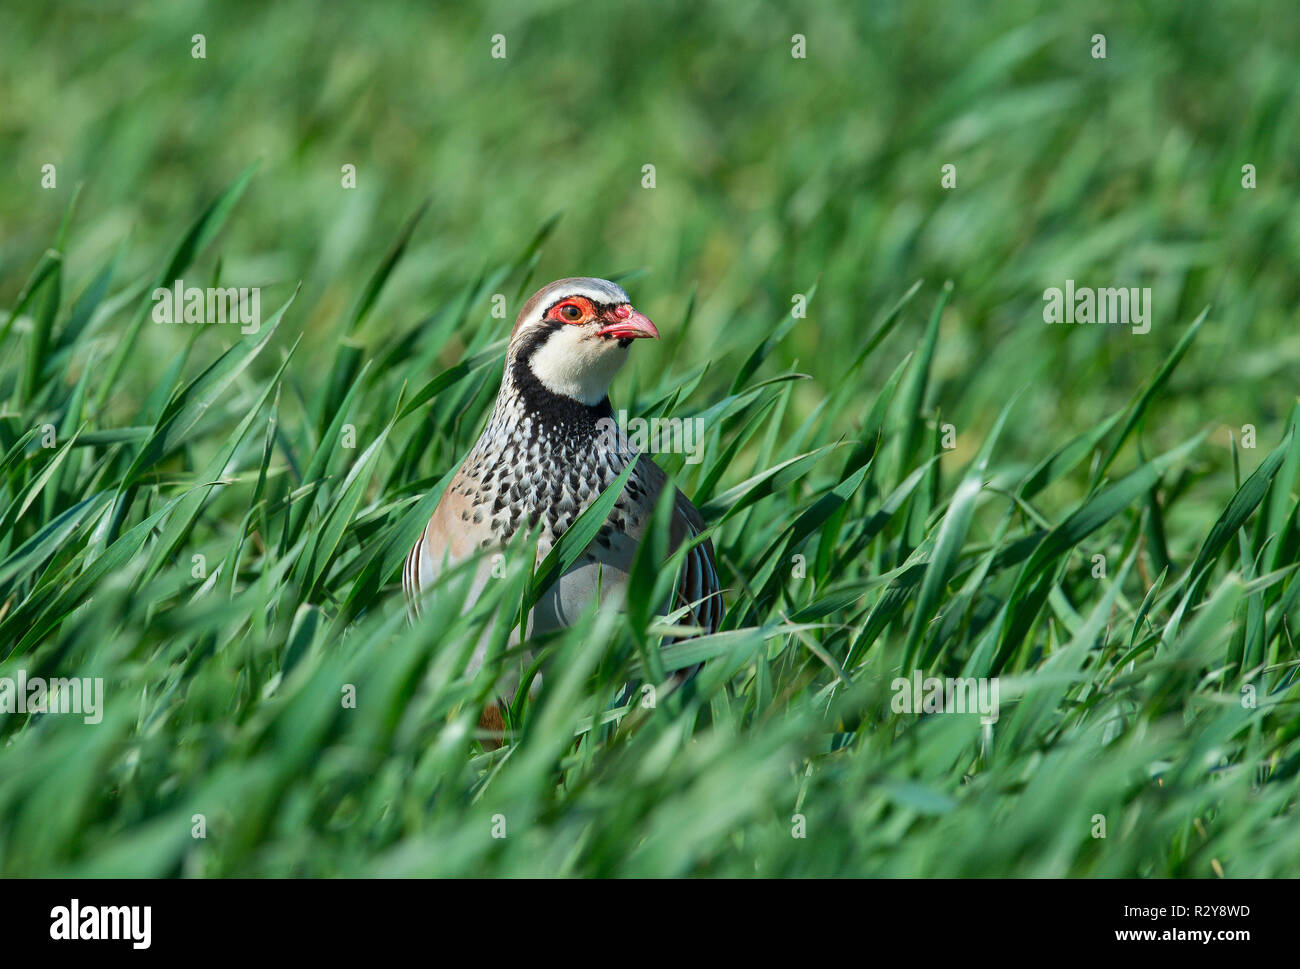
[(626, 323)]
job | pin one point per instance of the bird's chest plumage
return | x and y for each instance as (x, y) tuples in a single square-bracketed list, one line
[(533, 468), (543, 467)]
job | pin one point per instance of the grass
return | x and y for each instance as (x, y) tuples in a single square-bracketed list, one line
[(214, 522)]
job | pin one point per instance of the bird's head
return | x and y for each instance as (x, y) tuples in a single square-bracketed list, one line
[(574, 334)]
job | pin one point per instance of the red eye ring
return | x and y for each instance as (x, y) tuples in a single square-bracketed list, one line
[(569, 312)]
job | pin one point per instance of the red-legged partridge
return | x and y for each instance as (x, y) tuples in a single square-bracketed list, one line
[(547, 453)]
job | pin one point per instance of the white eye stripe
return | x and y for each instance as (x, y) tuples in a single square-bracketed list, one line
[(608, 293)]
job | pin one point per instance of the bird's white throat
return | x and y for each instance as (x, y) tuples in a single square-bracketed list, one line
[(576, 364)]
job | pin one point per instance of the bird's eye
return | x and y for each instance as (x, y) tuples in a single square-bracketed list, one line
[(571, 312)]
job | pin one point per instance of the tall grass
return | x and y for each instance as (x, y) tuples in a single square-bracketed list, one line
[(215, 522)]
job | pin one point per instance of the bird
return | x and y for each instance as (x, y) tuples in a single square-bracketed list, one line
[(547, 453)]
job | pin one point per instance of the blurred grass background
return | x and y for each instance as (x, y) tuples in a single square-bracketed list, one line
[(774, 175), (772, 172)]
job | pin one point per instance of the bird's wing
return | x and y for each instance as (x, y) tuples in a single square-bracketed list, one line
[(451, 535), (699, 588)]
